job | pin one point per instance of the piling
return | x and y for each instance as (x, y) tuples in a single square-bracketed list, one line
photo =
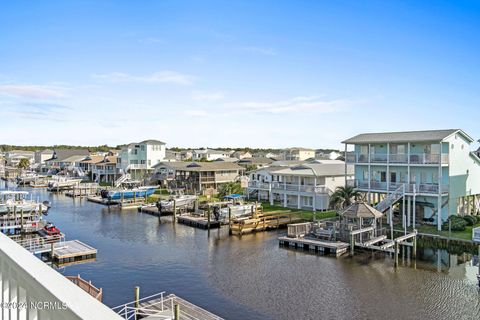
[(174, 210), (176, 312), (21, 221), (352, 245), (396, 254), (229, 220), (208, 218), (137, 297)]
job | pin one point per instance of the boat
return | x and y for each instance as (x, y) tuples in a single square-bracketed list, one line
[(51, 230), (26, 177), (17, 201), (118, 194), (62, 182), (180, 202), (238, 208)]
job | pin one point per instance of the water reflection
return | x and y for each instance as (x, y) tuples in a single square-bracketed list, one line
[(253, 278)]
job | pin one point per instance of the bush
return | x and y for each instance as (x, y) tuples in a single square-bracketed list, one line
[(458, 223), (470, 220)]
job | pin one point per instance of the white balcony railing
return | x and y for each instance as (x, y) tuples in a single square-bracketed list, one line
[(427, 188), (45, 293), (415, 158), (288, 187)]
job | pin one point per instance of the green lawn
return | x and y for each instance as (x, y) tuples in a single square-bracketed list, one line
[(304, 214), (464, 235)]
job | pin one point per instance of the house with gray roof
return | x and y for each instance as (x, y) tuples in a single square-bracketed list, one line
[(197, 177), (426, 175), (304, 185)]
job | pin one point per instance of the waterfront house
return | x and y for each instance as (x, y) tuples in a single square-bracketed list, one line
[(301, 186), (105, 170), (428, 169), (209, 154), (298, 154), (197, 177), (327, 155), (88, 164), (42, 155), (139, 159), (65, 159)]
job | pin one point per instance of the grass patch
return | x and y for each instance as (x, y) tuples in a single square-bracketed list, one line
[(162, 192), (209, 199), (304, 214), (464, 235)]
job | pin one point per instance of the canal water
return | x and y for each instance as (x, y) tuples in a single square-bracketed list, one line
[(252, 277)]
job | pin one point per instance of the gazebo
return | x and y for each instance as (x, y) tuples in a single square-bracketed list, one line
[(359, 216)]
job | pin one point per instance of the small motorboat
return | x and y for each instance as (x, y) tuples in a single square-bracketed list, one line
[(51, 230)]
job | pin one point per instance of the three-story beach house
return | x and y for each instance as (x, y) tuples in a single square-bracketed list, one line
[(139, 158), (421, 170)]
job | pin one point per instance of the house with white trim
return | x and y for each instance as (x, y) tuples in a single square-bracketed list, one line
[(418, 172), (139, 158), (306, 185)]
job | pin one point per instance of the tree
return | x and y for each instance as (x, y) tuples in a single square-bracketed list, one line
[(230, 188), (344, 196), (24, 163)]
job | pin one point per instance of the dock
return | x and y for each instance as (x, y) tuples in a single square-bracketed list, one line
[(336, 248), (83, 190), (262, 221), (198, 222), (125, 204), (161, 306), (72, 251)]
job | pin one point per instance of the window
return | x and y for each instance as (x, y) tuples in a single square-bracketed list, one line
[(363, 149), (365, 175), (142, 161), (435, 148), (142, 147), (383, 176), (308, 201)]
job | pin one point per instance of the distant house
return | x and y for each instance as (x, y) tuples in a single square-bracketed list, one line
[(105, 170), (13, 157), (302, 186), (327, 155), (42, 155), (197, 177), (209, 154), (139, 159), (241, 154), (298, 154), (88, 164), (255, 162), (66, 158)]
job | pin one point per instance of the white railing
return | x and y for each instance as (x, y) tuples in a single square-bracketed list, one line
[(391, 199), (138, 166), (258, 184), (428, 188), (415, 158), (24, 276)]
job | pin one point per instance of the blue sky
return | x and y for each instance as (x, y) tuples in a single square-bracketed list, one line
[(235, 73)]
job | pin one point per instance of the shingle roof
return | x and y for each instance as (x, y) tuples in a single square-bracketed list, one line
[(361, 210), (62, 154), (406, 136), (200, 166), (327, 168)]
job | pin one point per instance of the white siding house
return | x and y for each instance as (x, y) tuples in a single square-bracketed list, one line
[(139, 158)]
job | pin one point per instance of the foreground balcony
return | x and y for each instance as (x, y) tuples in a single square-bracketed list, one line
[(423, 188), (415, 158)]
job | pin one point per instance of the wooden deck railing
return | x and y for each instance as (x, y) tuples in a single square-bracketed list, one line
[(87, 286)]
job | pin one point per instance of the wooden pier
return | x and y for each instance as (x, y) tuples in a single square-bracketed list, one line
[(262, 221), (336, 248), (161, 306), (198, 222), (83, 190), (72, 251)]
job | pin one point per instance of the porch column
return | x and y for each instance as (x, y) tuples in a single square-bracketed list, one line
[(315, 192), (270, 195), (439, 212), (369, 172), (298, 202), (414, 207), (409, 210), (346, 165), (388, 168), (285, 200)]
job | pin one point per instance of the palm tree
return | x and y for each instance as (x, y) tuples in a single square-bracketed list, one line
[(343, 196), (24, 163), (230, 188)]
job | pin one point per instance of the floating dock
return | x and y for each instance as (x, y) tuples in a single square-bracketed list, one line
[(83, 190), (336, 248), (197, 222), (72, 251)]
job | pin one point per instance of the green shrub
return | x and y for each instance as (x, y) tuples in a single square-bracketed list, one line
[(470, 220), (457, 222)]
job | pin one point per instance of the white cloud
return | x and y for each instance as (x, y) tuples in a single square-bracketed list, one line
[(260, 50), (207, 96), (32, 91), (296, 104), (157, 77)]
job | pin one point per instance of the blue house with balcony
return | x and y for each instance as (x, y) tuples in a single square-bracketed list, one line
[(417, 171)]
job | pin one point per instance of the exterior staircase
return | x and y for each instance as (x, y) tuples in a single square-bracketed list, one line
[(124, 177), (391, 199)]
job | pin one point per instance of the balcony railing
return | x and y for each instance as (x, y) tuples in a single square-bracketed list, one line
[(415, 158), (427, 188), (289, 187)]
